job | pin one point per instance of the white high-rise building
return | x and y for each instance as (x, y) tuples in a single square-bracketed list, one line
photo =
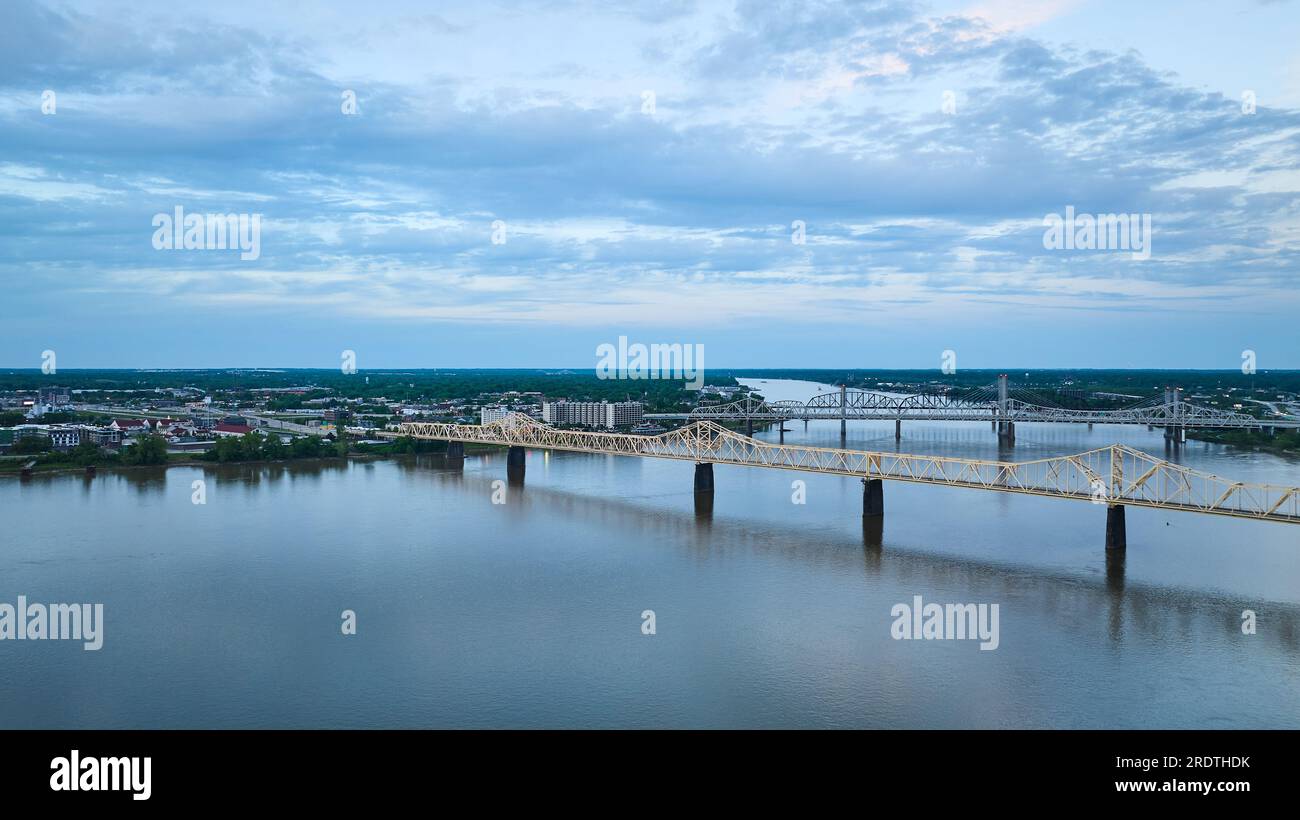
[(623, 413), (491, 414), (593, 413)]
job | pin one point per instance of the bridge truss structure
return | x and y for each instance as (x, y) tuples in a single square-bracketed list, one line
[(994, 403), (1116, 475)]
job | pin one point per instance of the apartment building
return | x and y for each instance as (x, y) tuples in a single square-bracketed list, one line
[(592, 413)]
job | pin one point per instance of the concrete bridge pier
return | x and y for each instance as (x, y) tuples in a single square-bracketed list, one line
[(456, 450), (873, 498), (1115, 537), (898, 429), (515, 465), (1007, 432), (704, 478), (749, 425)]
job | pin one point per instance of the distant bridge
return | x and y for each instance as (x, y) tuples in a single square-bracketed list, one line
[(1115, 476), (997, 404)]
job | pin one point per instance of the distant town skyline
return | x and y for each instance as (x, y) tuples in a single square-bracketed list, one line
[(513, 184)]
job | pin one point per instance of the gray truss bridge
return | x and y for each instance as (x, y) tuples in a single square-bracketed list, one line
[(996, 404)]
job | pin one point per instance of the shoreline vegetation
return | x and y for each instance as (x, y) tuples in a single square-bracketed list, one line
[(458, 395), (1284, 441), (52, 463)]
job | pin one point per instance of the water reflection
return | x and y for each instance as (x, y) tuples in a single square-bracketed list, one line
[(526, 613), (1150, 612), (873, 530), (704, 509), (1115, 560), (144, 480)]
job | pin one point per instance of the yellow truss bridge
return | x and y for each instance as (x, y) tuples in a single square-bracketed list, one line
[(1115, 476)]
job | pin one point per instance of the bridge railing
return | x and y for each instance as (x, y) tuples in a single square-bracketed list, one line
[(868, 405), (1109, 475)]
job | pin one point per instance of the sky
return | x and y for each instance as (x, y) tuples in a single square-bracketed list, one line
[(813, 184)]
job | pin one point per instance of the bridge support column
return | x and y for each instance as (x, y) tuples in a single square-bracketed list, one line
[(781, 432), (456, 450), (515, 464), (898, 429), (704, 478), (1115, 536), (873, 498), (844, 411), (749, 426)]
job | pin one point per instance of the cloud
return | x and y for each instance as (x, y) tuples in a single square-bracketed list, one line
[(769, 113)]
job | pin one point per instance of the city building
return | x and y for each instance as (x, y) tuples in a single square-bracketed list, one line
[(104, 436), (131, 427), (624, 413), (491, 414), (65, 438), (225, 430), (22, 431), (592, 413), (54, 396)]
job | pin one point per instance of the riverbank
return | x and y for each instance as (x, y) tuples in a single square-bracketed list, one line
[(12, 467), (1286, 442)]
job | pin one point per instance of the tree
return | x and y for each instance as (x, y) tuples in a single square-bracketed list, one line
[(251, 445), (28, 445), (226, 449), (85, 453), (151, 449), (272, 449), (306, 447)]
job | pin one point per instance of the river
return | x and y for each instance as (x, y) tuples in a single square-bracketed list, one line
[(529, 613)]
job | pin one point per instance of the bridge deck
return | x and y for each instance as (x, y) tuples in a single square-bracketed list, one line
[(1109, 475), (861, 405)]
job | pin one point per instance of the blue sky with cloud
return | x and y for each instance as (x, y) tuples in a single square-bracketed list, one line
[(924, 227)]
